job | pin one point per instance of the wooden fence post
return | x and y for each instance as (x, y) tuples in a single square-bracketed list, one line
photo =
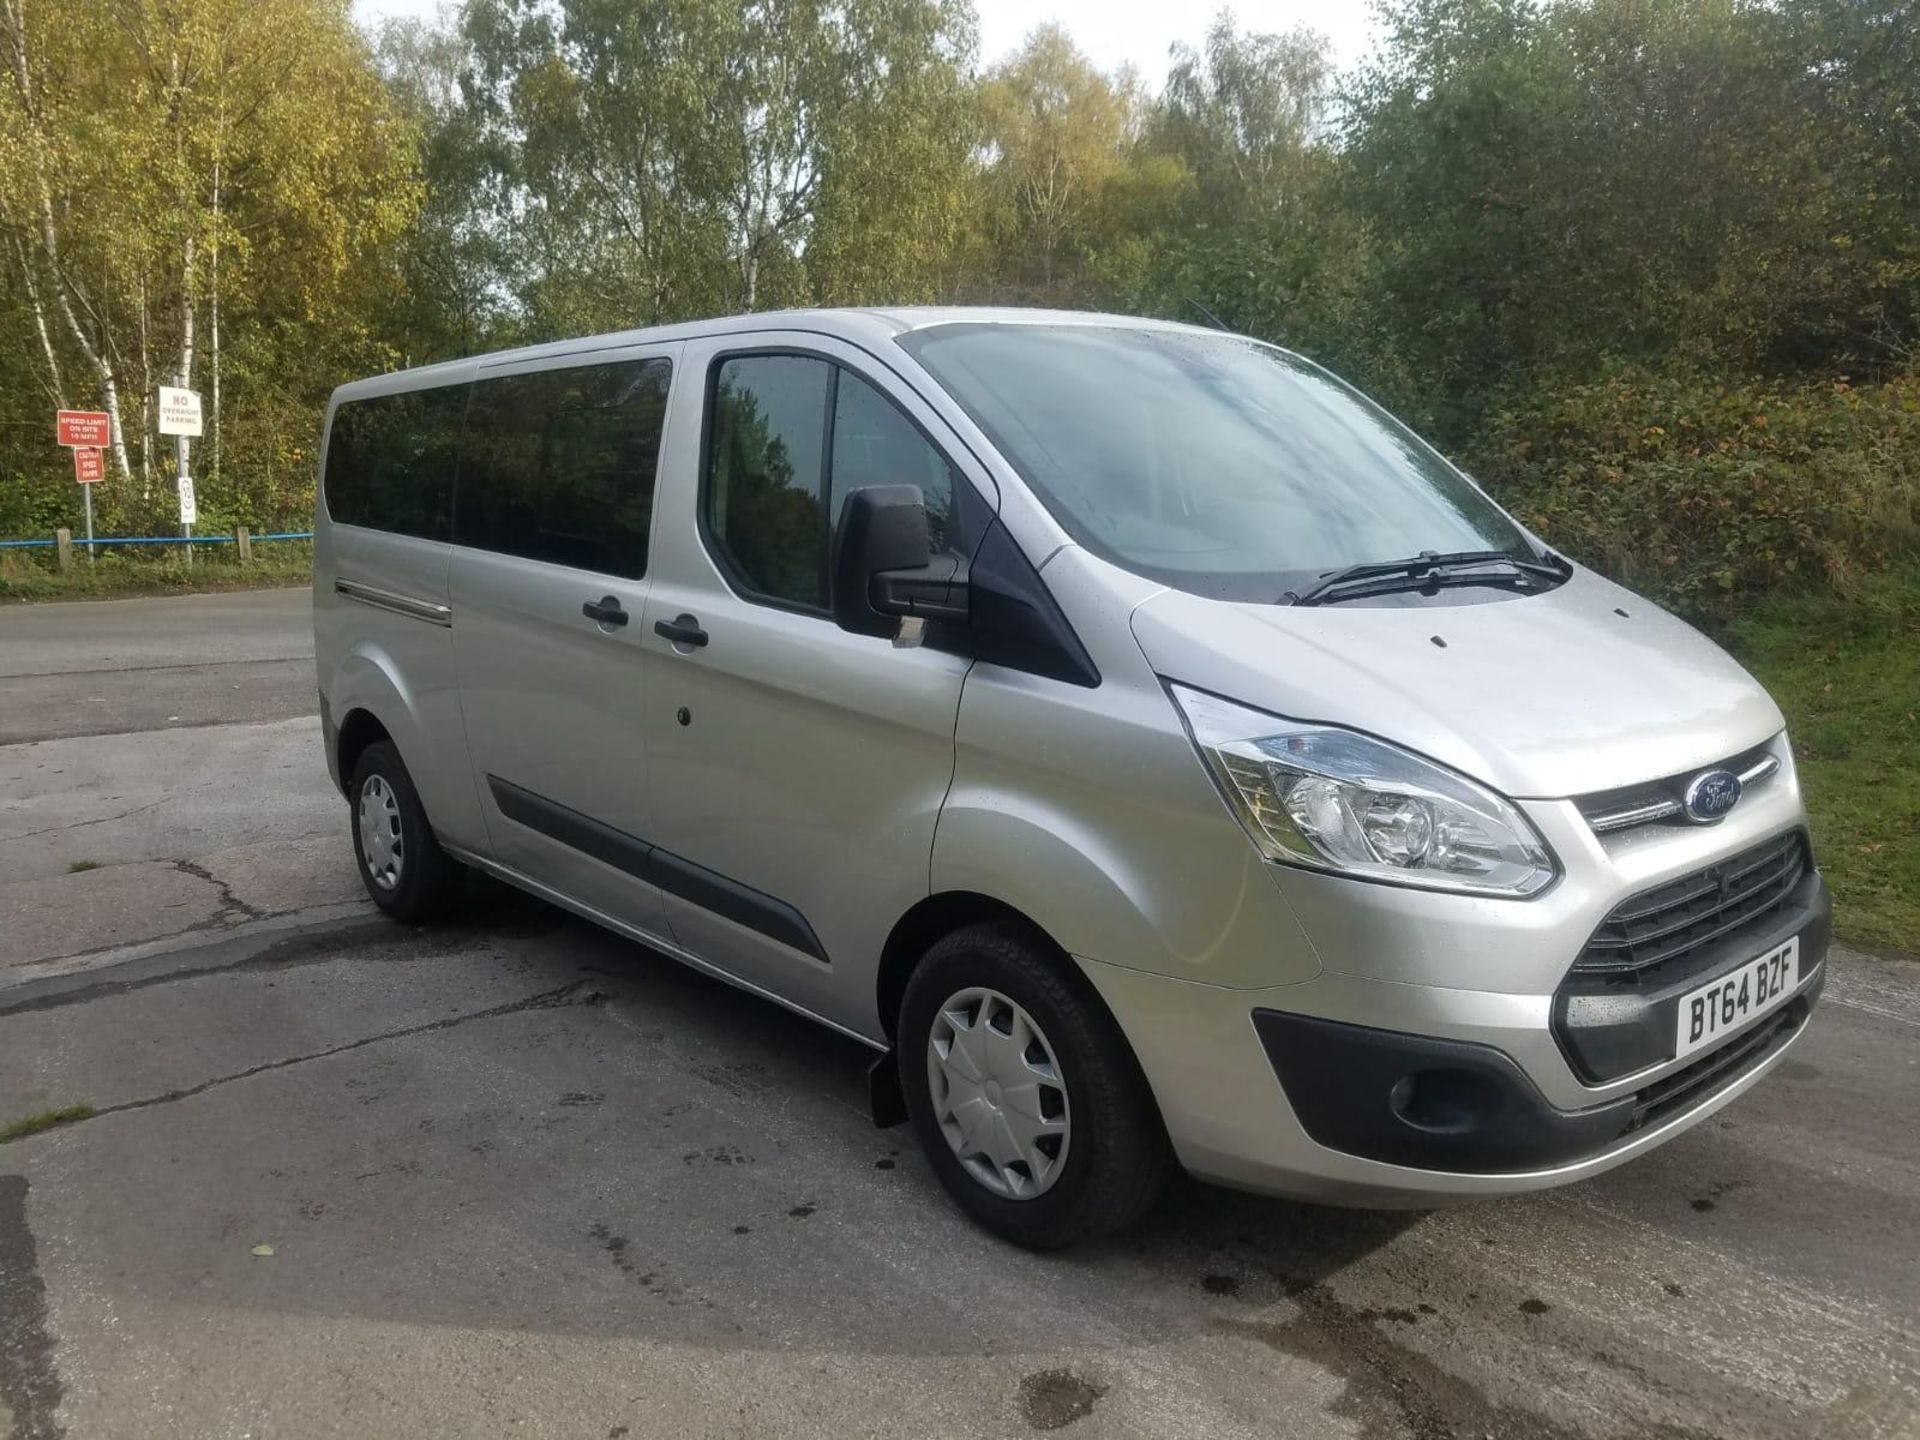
[(63, 547), (243, 542)]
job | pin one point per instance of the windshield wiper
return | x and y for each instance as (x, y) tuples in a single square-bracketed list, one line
[(1417, 572)]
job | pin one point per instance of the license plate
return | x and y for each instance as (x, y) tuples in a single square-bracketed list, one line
[(1731, 1001)]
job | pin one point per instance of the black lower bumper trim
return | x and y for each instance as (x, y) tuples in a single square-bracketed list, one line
[(1674, 1093), (1427, 1103), (1470, 1109)]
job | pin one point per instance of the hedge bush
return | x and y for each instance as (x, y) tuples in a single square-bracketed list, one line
[(1705, 494)]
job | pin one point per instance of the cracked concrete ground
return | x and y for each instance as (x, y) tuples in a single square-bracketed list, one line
[(515, 1175), (143, 803)]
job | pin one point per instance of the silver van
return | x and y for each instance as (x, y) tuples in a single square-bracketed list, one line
[(1152, 749)]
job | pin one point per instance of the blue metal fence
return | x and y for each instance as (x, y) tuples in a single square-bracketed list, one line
[(79, 541)]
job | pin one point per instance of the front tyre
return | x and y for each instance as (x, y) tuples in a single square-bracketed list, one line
[(1026, 1097), (405, 871)]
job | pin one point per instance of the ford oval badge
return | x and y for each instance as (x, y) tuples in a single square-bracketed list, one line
[(1710, 795)]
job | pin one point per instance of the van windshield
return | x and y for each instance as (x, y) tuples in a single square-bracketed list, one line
[(1211, 463)]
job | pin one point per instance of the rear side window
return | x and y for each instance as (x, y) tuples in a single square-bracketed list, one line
[(561, 465), (791, 438), (391, 461)]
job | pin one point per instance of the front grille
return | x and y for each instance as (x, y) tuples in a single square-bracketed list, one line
[(1676, 1092), (1661, 927)]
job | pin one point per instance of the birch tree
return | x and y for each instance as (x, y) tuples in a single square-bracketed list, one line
[(666, 158), (176, 174), (40, 167), (1059, 132)]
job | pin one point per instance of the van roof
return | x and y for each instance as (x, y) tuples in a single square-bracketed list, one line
[(854, 324)]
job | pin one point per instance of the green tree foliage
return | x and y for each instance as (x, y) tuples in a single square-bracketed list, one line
[(198, 192), (1700, 490), (1659, 181), (450, 265), (1266, 244), (1243, 115), (897, 198), (657, 159), (1058, 139), (1651, 266)]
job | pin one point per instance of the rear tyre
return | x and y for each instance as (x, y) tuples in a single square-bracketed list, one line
[(405, 871), (1026, 1096)]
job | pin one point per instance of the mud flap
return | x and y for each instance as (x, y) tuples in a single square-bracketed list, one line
[(884, 1096)]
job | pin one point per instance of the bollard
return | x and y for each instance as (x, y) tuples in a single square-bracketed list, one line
[(243, 543), (63, 547)]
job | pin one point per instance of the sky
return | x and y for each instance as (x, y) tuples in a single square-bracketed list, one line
[(1111, 32)]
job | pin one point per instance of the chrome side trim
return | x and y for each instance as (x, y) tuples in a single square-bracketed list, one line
[(1636, 815), (646, 937), (1759, 770), (405, 605)]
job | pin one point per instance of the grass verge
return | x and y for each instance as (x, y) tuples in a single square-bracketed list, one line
[(1847, 674), (45, 1120), (117, 574)]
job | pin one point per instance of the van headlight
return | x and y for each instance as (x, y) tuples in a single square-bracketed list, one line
[(1338, 800)]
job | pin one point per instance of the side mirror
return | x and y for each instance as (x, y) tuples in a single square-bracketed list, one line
[(884, 568)]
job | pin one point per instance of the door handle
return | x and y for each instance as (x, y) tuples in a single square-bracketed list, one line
[(605, 611), (681, 630)]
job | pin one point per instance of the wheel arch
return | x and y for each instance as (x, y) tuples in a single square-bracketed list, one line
[(359, 728), (373, 695), (938, 916), (1129, 1127)]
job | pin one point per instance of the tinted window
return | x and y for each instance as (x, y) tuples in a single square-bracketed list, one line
[(775, 478), (561, 465), (767, 477), (391, 461), (874, 444), (1209, 462)]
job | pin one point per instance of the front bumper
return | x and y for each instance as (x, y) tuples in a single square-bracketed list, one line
[(1414, 1101), (1368, 1091)]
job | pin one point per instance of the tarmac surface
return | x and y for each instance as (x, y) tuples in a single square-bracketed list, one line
[(515, 1175)]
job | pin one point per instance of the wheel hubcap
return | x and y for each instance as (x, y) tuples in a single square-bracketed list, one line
[(998, 1093), (381, 844)]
